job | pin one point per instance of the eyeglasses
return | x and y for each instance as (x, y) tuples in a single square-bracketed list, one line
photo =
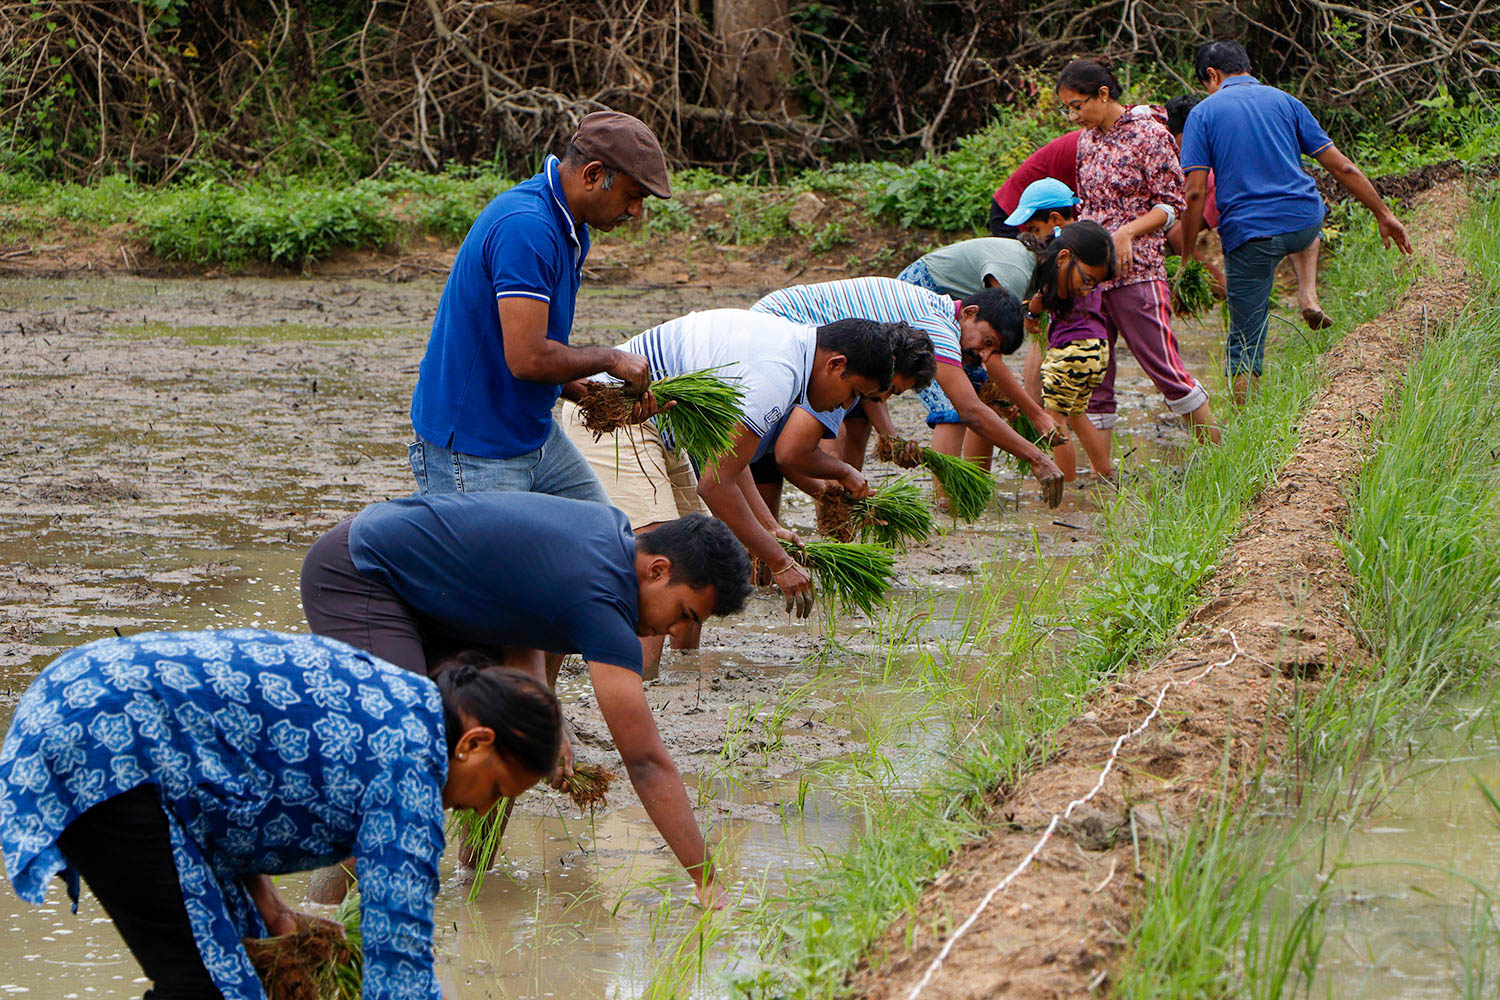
[(1087, 280), (1073, 107)]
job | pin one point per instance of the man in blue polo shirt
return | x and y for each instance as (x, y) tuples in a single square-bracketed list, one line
[(415, 579), (1253, 138), (499, 351)]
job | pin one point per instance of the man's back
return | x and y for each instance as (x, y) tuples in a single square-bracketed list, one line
[(1253, 138)]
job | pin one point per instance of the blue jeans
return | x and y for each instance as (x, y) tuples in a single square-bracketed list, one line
[(556, 467), (1249, 270)]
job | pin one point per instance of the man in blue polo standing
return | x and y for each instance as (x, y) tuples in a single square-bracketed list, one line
[(499, 352), (1253, 138)]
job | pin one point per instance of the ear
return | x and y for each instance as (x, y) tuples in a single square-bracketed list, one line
[(593, 173), (836, 364), (1064, 256), (475, 740), (970, 313), (658, 568)]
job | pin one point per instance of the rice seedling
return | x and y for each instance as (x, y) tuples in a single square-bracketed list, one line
[(701, 422), (969, 488), (857, 574), (588, 784), (480, 838), (314, 962), (1192, 292), (892, 515)]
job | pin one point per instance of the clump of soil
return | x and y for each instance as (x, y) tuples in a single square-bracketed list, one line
[(588, 785), (837, 518), (303, 965), (605, 407), (893, 449), (991, 396)]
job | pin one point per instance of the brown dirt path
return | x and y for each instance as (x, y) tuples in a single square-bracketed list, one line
[(1282, 589)]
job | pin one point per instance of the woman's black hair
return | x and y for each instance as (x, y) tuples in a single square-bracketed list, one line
[(1227, 57), (1089, 243), (914, 355), (1086, 76), (1178, 109), (704, 553), (521, 710), (1003, 313)]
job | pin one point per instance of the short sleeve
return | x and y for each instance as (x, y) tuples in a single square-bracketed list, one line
[(1009, 274), (521, 253), (1195, 151), (1310, 135), (397, 849), (944, 337), (602, 634), (1163, 171), (770, 391)]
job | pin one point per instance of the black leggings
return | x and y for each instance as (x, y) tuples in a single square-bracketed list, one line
[(123, 849)]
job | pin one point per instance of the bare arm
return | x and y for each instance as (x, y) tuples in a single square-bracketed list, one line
[(1050, 429), (530, 355), (983, 421), (798, 454), (622, 702), (720, 489), (1356, 183), (1195, 188)]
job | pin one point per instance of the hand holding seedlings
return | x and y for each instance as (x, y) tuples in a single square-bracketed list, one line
[(632, 369)]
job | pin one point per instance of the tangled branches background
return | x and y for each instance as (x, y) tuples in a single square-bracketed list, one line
[(155, 87)]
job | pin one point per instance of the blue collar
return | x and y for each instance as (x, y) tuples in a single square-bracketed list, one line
[(1237, 79), (554, 184)]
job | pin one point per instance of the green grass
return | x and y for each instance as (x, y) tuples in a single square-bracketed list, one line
[(1422, 544), (1005, 688)]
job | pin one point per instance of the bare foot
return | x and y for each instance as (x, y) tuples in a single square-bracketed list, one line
[(1316, 318)]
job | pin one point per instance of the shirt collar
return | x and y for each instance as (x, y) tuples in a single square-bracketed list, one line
[(1238, 79), (807, 365), (554, 185)]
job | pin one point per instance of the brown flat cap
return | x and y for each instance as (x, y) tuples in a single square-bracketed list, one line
[(626, 144)]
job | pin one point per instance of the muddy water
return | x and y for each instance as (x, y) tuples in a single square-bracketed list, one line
[(1416, 913), (172, 447)]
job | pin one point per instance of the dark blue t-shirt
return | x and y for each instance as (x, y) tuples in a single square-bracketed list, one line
[(1253, 138), (509, 569), (526, 245)]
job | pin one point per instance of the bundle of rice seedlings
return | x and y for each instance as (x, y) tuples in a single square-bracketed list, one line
[(837, 516), (1023, 426), (1194, 293), (969, 488), (588, 784), (701, 423), (895, 514), (481, 837), (857, 574), (313, 962)]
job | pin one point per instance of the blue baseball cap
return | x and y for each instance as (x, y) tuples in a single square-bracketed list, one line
[(1049, 192)]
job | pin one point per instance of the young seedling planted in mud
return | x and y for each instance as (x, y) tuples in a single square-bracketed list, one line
[(893, 515), (480, 838), (969, 488), (701, 421), (857, 574)]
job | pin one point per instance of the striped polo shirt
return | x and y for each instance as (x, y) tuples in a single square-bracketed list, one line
[(884, 300)]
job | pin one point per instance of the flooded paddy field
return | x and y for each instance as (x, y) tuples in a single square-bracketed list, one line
[(172, 447)]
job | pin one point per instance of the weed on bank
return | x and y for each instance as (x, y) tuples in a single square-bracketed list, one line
[(1241, 906)]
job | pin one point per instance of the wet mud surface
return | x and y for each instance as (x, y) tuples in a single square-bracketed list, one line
[(171, 448), (1272, 618)]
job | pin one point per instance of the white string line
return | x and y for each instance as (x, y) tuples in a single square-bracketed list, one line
[(942, 956)]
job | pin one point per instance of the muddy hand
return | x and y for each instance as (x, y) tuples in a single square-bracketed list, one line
[(647, 407), (1051, 479), (854, 481), (632, 369), (1053, 432), (564, 768), (796, 587), (712, 897)]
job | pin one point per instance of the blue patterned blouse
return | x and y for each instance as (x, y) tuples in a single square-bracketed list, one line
[(272, 753)]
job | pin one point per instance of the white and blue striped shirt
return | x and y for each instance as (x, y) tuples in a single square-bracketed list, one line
[(884, 300)]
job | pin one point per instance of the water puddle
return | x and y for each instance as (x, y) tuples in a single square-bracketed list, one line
[(176, 446)]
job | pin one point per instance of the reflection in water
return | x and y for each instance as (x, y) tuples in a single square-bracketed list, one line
[(1410, 918)]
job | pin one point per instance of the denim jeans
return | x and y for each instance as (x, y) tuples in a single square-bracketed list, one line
[(556, 468), (1249, 270)]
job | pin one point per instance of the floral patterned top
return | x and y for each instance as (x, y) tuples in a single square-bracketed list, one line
[(272, 753), (1122, 173)]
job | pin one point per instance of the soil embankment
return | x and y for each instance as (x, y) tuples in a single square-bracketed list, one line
[(1282, 590)]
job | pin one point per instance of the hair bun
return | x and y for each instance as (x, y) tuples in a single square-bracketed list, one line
[(1106, 63)]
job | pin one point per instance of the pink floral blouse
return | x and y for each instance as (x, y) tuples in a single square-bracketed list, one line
[(1122, 173)]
